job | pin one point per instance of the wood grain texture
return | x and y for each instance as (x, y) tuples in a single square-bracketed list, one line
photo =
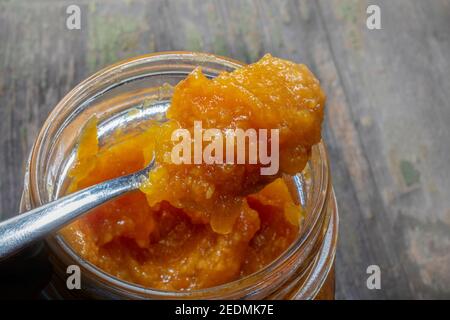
[(387, 113)]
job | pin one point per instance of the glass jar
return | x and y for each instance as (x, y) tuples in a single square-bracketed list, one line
[(135, 90)]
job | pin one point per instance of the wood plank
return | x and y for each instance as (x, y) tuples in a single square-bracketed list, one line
[(396, 84)]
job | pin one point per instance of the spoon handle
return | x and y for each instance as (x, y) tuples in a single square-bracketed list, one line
[(21, 230)]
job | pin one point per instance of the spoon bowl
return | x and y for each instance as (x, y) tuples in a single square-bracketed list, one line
[(22, 230)]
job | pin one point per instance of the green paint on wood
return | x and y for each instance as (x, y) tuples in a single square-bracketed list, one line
[(410, 174), (348, 11), (352, 13), (92, 6), (194, 40), (220, 45), (111, 38)]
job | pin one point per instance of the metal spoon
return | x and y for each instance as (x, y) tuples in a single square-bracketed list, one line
[(20, 231)]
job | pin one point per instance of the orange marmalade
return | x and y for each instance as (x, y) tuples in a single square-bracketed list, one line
[(193, 226)]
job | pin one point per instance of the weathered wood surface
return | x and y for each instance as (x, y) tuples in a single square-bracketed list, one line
[(387, 113)]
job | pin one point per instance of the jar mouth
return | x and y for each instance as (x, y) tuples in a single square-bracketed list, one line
[(77, 100)]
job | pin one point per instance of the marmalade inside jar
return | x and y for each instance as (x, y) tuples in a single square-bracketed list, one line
[(197, 225)]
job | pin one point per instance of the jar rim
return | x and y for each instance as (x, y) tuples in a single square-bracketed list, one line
[(249, 282)]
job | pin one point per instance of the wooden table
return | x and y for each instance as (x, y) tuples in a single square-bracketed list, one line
[(387, 119)]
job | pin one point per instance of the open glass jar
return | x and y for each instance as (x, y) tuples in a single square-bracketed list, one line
[(123, 96)]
